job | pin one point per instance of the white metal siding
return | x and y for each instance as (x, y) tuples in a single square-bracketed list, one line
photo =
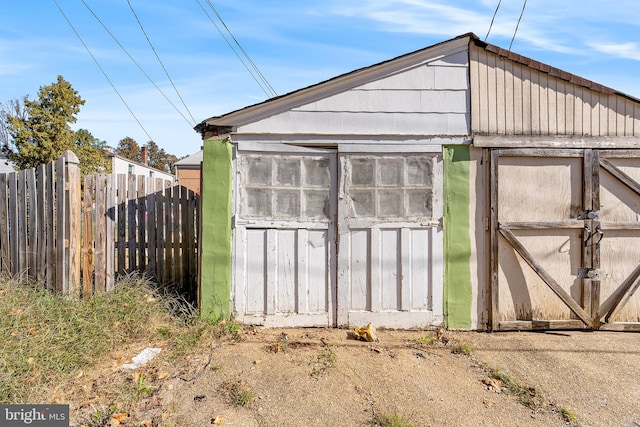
[(431, 98)]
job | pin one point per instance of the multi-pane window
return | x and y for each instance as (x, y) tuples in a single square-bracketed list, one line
[(291, 188), (390, 186)]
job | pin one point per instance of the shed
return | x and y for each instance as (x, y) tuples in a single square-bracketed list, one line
[(460, 184)]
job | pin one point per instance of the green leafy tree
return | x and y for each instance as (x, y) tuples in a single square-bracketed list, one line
[(44, 132), (160, 159), (92, 153), (129, 149)]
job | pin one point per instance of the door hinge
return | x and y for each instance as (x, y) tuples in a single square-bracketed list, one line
[(589, 273)]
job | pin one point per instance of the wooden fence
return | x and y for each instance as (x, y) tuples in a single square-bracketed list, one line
[(81, 243)]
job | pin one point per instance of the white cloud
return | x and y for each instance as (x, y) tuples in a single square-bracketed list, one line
[(629, 50)]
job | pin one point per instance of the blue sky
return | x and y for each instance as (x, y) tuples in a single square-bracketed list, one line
[(294, 43)]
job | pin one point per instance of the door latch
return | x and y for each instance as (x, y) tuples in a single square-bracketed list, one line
[(589, 273), (588, 214)]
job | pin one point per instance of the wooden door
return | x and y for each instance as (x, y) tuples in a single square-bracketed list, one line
[(564, 231), (284, 238), (617, 237), (390, 240)]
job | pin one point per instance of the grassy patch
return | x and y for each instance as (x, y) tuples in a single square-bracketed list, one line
[(568, 415), (461, 348), (531, 397), (323, 362), (391, 419), (48, 338), (238, 394), (427, 339)]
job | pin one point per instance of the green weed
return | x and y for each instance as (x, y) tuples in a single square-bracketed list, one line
[(238, 394), (323, 362), (392, 419)]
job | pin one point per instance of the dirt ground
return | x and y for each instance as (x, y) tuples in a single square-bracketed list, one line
[(323, 377)]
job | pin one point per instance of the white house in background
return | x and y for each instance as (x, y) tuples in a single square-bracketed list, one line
[(121, 165), (5, 165)]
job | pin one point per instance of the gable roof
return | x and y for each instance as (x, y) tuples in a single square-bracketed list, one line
[(192, 160), (218, 125)]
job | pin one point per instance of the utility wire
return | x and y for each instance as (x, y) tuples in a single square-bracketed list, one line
[(494, 17), (255, 67), (234, 50), (518, 24), (136, 62), (160, 61), (102, 70)]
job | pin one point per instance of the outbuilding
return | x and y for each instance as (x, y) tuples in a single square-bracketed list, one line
[(461, 184)]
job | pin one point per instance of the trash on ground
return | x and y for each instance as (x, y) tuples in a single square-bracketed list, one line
[(143, 357), (366, 333)]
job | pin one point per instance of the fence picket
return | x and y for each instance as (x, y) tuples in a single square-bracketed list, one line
[(122, 223), (88, 251), (110, 233), (100, 234), (142, 223), (51, 233), (41, 200), (31, 222), (21, 235), (4, 227)]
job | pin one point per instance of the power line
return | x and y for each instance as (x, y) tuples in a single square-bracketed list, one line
[(102, 70), (518, 24), (136, 63), (494, 17), (266, 92), (255, 67), (160, 61)]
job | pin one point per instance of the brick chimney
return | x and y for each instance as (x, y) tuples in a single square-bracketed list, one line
[(145, 156)]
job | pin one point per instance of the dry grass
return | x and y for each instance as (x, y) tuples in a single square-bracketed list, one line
[(49, 338)]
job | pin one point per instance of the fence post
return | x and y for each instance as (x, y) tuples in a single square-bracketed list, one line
[(69, 221)]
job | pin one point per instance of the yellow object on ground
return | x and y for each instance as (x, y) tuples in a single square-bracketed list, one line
[(366, 333)]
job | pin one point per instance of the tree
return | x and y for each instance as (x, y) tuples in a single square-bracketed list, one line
[(43, 133), (129, 149), (92, 153), (11, 108), (160, 159), (156, 157)]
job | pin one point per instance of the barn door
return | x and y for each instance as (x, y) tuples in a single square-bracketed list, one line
[(284, 238), (390, 239), (564, 228), (617, 234)]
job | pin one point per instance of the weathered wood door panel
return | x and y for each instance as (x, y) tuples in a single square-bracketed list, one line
[(619, 239), (390, 243), (565, 226), (537, 198), (284, 265)]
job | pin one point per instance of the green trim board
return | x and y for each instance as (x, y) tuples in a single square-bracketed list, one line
[(457, 241), (215, 258)]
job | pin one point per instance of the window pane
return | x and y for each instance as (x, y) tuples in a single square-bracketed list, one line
[(391, 172), (259, 171), (258, 202), (287, 203), (362, 172), (419, 171), (390, 204), (316, 204), (362, 202), (316, 172), (419, 203), (287, 173)]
